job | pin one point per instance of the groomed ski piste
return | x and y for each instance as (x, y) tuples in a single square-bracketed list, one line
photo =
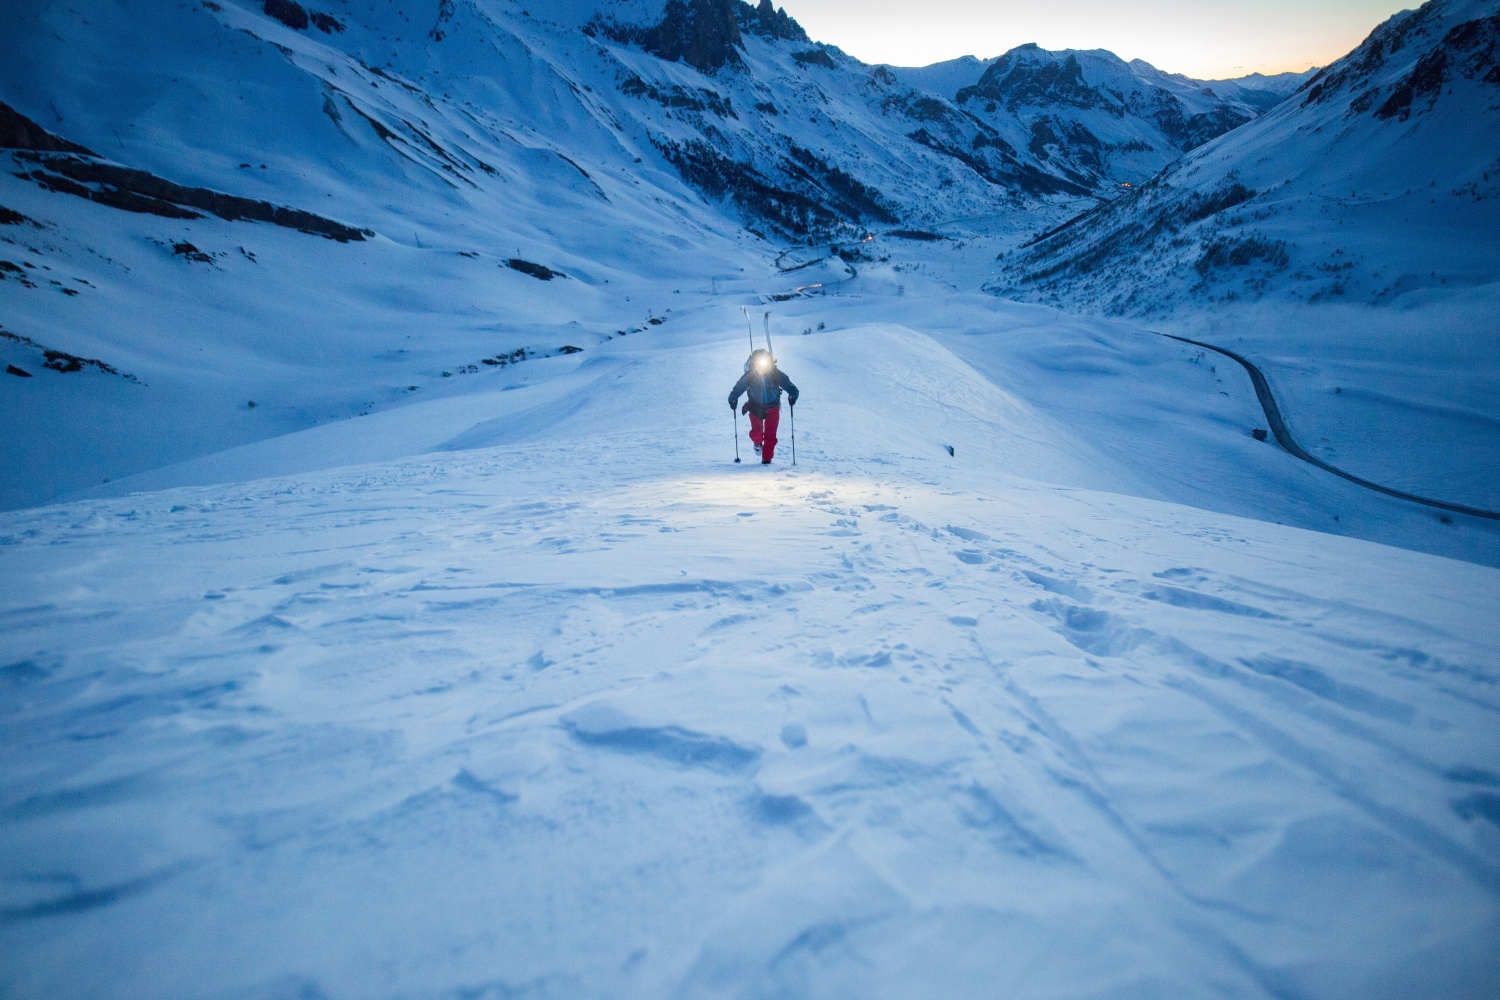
[(464, 665)]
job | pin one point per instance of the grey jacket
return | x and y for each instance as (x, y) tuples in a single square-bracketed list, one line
[(763, 391)]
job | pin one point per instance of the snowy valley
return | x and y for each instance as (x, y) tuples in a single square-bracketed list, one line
[(383, 613)]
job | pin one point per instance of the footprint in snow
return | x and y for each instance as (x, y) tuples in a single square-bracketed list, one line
[(1180, 598), (1090, 629), (608, 728), (1067, 588)]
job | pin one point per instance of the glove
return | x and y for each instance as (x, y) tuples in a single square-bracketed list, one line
[(731, 404)]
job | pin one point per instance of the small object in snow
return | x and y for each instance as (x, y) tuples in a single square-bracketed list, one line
[(13, 370), (540, 271), (949, 447), (251, 404), (186, 249), (1259, 434), (1337, 390), (288, 12)]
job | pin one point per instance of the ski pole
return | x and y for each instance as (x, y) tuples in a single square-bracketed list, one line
[(736, 411), (794, 433)]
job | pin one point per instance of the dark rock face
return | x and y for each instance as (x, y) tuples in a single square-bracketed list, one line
[(19, 132), (719, 176), (702, 33), (815, 57), (297, 17), (10, 217), (139, 191), (68, 168), (327, 23), (1020, 77), (1469, 50), (288, 12), (999, 166), (705, 34), (59, 361), (820, 199), (187, 251), (1354, 70), (539, 271), (768, 22)]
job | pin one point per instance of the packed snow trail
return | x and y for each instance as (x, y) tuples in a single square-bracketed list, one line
[(585, 710)]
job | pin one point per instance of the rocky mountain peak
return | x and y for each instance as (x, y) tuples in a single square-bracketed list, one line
[(702, 33), (768, 22), (1425, 50), (705, 34), (1030, 74)]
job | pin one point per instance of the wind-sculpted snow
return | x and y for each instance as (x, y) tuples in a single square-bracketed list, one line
[(575, 717)]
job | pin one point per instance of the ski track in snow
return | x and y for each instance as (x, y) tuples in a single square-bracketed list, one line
[(472, 722)]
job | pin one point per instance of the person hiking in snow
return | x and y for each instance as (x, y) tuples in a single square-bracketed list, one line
[(762, 385)]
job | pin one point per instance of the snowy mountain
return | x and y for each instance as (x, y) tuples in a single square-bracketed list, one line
[(945, 78), (458, 151), (1091, 116), (462, 150), (1377, 180), (1260, 91), (383, 612)]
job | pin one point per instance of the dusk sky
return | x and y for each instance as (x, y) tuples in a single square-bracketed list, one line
[(1205, 39)]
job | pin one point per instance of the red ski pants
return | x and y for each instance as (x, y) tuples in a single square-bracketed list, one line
[(763, 432)]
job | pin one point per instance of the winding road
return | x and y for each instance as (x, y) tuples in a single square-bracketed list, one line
[(1273, 417), (1284, 437)]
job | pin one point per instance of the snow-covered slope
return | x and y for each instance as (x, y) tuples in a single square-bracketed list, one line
[(1345, 242), (1260, 91), (425, 641), (455, 138), (575, 707), (1377, 180), (945, 78)]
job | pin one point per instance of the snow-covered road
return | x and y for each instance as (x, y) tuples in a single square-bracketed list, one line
[(583, 710)]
